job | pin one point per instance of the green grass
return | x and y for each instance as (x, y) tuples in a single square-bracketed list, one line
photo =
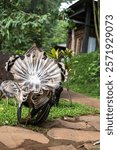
[(91, 90), (8, 111), (84, 76), (66, 109)]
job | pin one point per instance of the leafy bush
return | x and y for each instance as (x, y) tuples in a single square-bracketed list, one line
[(84, 76), (19, 29), (58, 54), (24, 23)]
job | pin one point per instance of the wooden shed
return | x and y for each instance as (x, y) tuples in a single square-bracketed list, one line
[(82, 37)]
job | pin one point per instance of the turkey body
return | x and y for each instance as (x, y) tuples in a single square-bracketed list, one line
[(36, 80)]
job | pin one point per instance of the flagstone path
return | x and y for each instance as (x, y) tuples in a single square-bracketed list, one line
[(77, 133)]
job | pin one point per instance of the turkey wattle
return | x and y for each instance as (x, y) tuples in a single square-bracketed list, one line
[(37, 79)]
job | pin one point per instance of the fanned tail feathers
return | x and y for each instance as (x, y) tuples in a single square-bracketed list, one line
[(35, 74), (35, 71)]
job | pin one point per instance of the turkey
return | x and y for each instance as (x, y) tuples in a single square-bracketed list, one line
[(37, 83)]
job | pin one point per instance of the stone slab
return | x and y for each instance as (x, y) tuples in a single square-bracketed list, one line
[(73, 135), (62, 147), (75, 125), (92, 120), (12, 137)]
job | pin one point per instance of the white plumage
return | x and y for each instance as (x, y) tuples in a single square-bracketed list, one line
[(37, 79), (36, 74)]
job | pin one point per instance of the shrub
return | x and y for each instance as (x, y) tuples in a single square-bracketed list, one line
[(84, 76)]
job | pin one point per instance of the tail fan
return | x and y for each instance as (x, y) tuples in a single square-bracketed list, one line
[(35, 72)]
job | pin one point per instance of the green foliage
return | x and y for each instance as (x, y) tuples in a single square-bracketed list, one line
[(19, 52), (8, 111), (19, 29), (26, 22), (67, 55), (84, 75), (57, 34), (54, 54)]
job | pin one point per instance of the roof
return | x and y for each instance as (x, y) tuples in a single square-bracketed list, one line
[(78, 2), (77, 11)]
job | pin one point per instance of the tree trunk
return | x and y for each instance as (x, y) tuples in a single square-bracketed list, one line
[(96, 14)]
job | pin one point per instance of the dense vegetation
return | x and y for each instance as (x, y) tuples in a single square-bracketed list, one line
[(84, 76), (31, 21)]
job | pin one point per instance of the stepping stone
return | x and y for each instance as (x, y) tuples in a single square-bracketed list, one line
[(62, 147), (59, 123), (73, 135), (12, 137), (88, 146), (92, 120), (96, 147), (75, 125), (3, 147)]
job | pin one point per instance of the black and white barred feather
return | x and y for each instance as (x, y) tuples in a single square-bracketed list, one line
[(35, 77)]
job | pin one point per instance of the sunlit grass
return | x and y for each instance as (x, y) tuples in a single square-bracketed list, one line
[(8, 111)]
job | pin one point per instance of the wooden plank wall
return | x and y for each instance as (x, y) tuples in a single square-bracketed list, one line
[(79, 37)]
